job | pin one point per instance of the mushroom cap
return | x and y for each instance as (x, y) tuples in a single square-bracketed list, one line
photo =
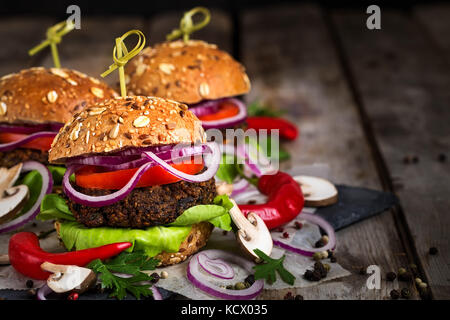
[(318, 192)]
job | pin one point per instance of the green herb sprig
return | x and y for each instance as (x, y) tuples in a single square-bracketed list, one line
[(132, 264), (268, 269)]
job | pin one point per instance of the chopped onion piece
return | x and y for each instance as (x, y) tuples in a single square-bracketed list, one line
[(215, 267)]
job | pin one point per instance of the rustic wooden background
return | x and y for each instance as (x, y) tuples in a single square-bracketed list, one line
[(364, 100)]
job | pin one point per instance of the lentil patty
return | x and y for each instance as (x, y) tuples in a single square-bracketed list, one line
[(144, 207), (13, 157)]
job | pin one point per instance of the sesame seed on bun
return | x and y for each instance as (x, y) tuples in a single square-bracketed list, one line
[(187, 72)]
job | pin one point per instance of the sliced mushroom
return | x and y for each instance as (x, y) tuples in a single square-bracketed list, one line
[(253, 233), (67, 278), (12, 201), (318, 192), (224, 188), (9, 176), (4, 259)]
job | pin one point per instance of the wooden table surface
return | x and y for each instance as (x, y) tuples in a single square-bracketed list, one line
[(364, 100)]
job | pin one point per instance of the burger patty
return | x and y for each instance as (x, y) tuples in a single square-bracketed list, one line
[(144, 207), (11, 158)]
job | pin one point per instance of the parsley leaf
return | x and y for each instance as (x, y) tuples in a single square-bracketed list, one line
[(128, 263), (267, 269)]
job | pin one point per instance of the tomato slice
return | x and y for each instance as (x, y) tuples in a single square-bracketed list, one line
[(226, 110), (92, 177), (43, 143)]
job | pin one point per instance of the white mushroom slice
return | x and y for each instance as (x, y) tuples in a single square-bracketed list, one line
[(12, 201), (318, 192), (4, 259), (67, 278), (253, 233), (224, 188), (9, 176)]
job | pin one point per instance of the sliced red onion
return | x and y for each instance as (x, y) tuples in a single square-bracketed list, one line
[(43, 292), (156, 294), (47, 185), (213, 163), (309, 252), (212, 106), (215, 267), (201, 280), (11, 128), (239, 187), (255, 160), (100, 201), (16, 144)]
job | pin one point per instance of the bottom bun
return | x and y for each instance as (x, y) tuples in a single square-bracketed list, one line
[(196, 239)]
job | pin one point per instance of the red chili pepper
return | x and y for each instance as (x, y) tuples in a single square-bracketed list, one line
[(26, 256), (286, 129), (285, 200)]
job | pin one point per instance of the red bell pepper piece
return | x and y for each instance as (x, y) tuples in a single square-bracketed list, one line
[(26, 256), (286, 129), (285, 200)]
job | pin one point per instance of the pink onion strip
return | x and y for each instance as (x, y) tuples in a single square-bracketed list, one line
[(43, 292), (16, 144), (47, 185), (201, 280), (309, 252), (215, 267), (156, 294), (222, 123)]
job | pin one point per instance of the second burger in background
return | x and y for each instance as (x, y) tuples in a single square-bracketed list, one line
[(143, 173)]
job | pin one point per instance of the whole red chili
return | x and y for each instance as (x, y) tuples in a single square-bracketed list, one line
[(26, 256), (287, 130), (285, 200)]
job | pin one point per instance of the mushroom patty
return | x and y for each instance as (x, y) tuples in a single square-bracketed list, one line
[(13, 157), (144, 207)]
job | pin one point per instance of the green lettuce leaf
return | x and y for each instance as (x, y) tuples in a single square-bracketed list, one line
[(152, 240), (33, 181), (227, 170), (54, 207), (57, 174)]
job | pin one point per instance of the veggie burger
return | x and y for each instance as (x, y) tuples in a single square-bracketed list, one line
[(196, 73), (139, 170), (35, 103)]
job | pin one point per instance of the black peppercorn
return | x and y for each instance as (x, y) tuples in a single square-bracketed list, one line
[(406, 293), (362, 271), (319, 243), (415, 159), (316, 276), (406, 276), (298, 297), (288, 296), (394, 294), (442, 157), (250, 279), (298, 225), (29, 284), (155, 277), (318, 266), (285, 235), (433, 251), (390, 276), (333, 259)]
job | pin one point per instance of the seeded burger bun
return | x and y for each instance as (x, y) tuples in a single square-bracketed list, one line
[(120, 123), (187, 72), (137, 121), (39, 95)]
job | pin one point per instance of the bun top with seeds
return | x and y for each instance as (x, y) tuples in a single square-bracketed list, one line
[(120, 123), (39, 95), (187, 72)]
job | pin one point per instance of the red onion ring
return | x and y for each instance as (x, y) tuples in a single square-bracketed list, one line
[(215, 267), (54, 126), (213, 166), (200, 280), (43, 292), (240, 187), (309, 252), (47, 185), (100, 201), (16, 144), (156, 294), (212, 106)]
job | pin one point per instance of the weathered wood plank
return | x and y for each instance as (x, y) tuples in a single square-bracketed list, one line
[(404, 86), (435, 19), (18, 35), (89, 49), (218, 31), (292, 64)]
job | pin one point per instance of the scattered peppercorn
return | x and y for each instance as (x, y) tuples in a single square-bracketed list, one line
[(406, 159), (298, 297), (230, 287), (414, 269), (406, 293), (324, 254), (298, 225), (401, 271), (318, 266), (98, 288), (155, 277), (316, 275), (73, 296), (433, 251), (406, 276), (390, 276), (288, 296), (317, 256), (224, 232), (415, 159), (279, 229), (164, 275), (285, 235), (34, 224), (240, 286), (423, 285), (250, 279), (31, 293), (308, 275), (325, 239), (327, 267), (29, 284), (363, 271), (319, 243), (442, 157), (394, 294), (333, 259)]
